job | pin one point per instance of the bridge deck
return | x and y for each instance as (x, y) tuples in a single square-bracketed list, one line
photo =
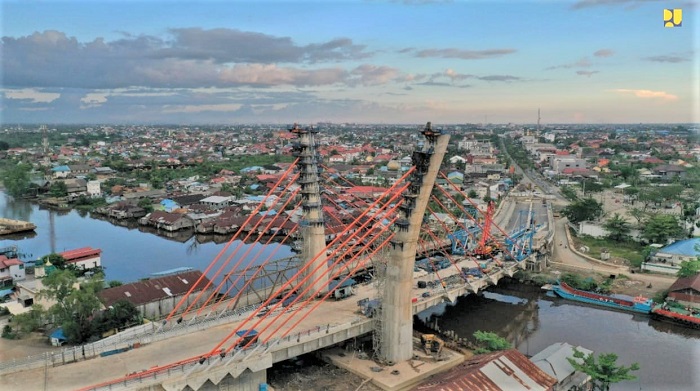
[(89, 372)]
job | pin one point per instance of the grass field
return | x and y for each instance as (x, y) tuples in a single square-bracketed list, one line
[(630, 251)]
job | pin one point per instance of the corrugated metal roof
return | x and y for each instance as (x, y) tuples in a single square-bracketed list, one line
[(685, 283), (80, 253), (154, 289), (507, 370), (553, 359), (688, 247)]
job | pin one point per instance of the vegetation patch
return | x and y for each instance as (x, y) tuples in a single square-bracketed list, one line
[(628, 250)]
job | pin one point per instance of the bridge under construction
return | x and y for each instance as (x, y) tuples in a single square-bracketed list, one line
[(228, 329)]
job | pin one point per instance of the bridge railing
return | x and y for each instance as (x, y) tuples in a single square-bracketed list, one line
[(122, 341), (147, 377)]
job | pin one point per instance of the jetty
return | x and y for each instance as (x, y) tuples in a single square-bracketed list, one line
[(9, 226)]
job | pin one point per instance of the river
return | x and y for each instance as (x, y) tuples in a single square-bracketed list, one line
[(668, 355), (129, 253)]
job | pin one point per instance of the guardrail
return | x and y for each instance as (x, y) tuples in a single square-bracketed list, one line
[(187, 366), (127, 339)]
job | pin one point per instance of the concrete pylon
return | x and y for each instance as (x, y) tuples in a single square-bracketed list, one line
[(396, 332), (312, 226)]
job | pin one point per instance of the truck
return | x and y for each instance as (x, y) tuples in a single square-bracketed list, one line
[(342, 290), (369, 308), (246, 336)]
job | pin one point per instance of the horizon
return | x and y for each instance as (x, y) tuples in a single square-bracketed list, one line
[(582, 62)]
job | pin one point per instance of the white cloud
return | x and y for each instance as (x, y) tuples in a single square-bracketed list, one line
[(202, 108), (93, 99), (269, 75), (647, 94), (32, 94)]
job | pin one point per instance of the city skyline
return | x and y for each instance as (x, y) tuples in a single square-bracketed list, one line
[(584, 61)]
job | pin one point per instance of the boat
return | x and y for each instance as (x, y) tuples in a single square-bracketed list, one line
[(9, 226), (638, 304), (676, 315)]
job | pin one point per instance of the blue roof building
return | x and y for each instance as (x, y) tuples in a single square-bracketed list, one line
[(689, 248), (57, 337), (168, 205), (668, 259)]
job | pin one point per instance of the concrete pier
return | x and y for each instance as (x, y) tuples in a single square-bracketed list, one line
[(313, 229), (396, 325)]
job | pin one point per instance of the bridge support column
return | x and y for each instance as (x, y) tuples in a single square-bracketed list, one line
[(312, 226), (396, 325)]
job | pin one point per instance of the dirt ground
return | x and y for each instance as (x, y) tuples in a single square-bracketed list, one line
[(622, 285), (30, 345), (317, 376)]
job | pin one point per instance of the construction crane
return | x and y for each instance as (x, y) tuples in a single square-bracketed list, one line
[(519, 243)]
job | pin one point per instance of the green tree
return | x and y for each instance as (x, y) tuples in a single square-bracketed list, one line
[(30, 321), (4, 146), (604, 371), (74, 308), (472, 194), (689, 268), (659, 228), (638, 214), (16, 179), (582, 210), (56, 260), (489, 342), (58, 189), (569, 193), (618, 228), (146, 204), (114, 283), (119, 315), (629, 174), (591, 186)]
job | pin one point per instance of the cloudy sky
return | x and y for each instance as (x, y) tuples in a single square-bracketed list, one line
[(411, 61)]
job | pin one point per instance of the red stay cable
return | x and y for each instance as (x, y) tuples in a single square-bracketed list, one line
[(235, 251), (307, 265), (302, 283), (223, 250)]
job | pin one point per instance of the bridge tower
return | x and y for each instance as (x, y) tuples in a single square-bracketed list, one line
[(396, 331), (312, 226)]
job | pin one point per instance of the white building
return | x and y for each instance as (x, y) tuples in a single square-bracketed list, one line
[(11, 269), (94, 189)]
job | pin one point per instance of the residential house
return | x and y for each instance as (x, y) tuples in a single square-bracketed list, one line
[(669, 171), (157, 297), (94, 189), (76, 187), (553, 361), (125, 210), (686, 290), (79, 169), (216, 202), (366, 191), (135, 194), (84, 258), (103, 172), (59, 172), (507, 370), (11, 269), (561, 163), (168, 205), (669, 258), (167, 221)]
